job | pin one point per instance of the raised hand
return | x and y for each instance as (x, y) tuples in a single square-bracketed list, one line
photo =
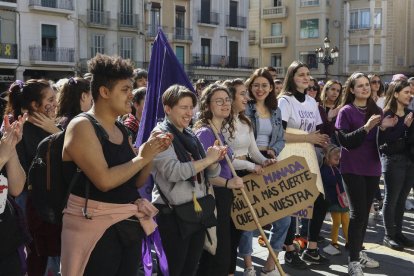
[(408, 119), (332, 113), (389, 121), (157, 142), (44, 122), (372, 122)]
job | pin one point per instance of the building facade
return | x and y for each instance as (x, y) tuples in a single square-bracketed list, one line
[(372, 36)]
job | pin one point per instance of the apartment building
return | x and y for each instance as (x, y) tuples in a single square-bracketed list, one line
[(220, 47), (378, 37), (372, 36), (8, 43), (110, 27)]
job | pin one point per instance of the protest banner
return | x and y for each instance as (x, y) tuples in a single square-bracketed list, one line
[(285, 187)]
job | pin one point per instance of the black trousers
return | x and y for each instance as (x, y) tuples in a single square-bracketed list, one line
[(10, 265), (118, 252), (182, 255), (320, 208), (361, 191), (219, 264)]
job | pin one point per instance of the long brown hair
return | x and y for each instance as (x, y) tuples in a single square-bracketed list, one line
[(390, 100), (70, 96), (270, 101), (324, 94), (231, 86), (348, 97), (205, 112), (289, 85)]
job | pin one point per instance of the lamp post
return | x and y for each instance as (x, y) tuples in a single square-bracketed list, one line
[(327, 55)]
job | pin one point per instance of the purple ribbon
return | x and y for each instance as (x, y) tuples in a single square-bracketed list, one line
[(155, 239)]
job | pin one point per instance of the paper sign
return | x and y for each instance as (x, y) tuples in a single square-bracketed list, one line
[(284, 188)]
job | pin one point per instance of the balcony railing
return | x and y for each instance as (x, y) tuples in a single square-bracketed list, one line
[(39, 53), (274, 41), (98, 17), (152, 30), (127, 20), (309, 3), (9, 1), (183, 34), (55, 4), (211, 18), (236, 21), (8, 50), (274, 12), (359, 26), (223, 62)]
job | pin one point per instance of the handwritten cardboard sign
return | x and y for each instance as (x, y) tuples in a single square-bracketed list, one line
[(284, 188)]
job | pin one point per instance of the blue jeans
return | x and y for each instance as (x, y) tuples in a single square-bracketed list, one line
[(277, 237), (398, 179)]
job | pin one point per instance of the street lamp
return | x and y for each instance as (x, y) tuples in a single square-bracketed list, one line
[(327, 55)]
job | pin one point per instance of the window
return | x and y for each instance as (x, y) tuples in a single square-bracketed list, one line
[(277, 3), (359, 54), (233, 54), (377, 54), (233, 14), (378, 19), (309, 28), (48, 3), (359, 19), (276, 29), (49, 39), (180, 22), (126, 13), (205, 51), (205, 11), (310, 59), (309, 3), (98, 45), (155, 19), (126, 47), (276, 60), (97, 12), (179, 52)]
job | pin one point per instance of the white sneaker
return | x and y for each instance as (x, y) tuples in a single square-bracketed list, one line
[(274, 272), (355, 269), (366, 261), (331, 250), (249, 272)]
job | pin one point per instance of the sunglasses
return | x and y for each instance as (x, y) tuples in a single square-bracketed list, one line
[(376, 82), (312, 88)]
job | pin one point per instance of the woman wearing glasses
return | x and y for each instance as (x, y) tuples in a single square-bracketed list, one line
[(377, 90), (267, 128), (215, 106)]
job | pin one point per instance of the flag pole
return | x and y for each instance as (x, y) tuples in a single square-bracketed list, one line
[(252, 211)]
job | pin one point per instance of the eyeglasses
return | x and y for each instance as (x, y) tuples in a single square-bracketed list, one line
[(312, 88), (375, 82), (221, 102), (258, 85)]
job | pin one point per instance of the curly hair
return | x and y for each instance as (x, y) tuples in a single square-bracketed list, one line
[(205, 112), (70, 96), (107, 71)]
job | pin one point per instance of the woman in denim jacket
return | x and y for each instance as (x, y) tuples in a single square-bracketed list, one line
[(267, 126)]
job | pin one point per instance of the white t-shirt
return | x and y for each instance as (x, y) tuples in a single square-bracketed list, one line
[(304, 116)]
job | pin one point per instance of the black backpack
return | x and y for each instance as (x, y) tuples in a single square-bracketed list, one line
[(48, 186)]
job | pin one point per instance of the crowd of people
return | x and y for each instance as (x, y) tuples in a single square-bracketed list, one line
[(246, 121)]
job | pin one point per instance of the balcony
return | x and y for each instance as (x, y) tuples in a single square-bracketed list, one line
[(98, 18), (218, 61), (8, 52), (54, 6), (56, 56), (236, 22), (252, 37), (274, 41), (128, 20), (211, 18), (183, 34), (8, 4), (274, 12), (152, 30)]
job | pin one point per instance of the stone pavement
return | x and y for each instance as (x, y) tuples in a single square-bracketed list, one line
[(391, 262)]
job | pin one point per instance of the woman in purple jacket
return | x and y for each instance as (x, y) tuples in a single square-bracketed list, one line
[(357, 125)]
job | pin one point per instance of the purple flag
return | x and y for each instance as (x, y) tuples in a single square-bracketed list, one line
[(164, 71)]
